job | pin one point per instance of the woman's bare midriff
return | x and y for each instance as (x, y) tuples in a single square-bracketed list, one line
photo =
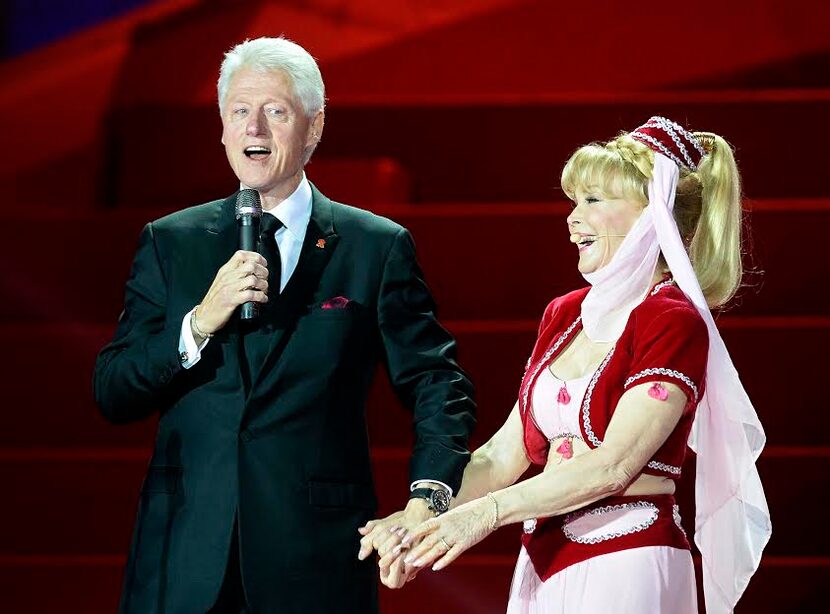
[(643, 485)]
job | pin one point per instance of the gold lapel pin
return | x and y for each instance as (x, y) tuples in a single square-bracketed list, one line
[(321, 243)]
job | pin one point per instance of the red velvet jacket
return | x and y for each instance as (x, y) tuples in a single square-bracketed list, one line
[(665, 339)]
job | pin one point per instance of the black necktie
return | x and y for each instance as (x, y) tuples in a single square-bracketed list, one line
[(257, 334), (269, 225)]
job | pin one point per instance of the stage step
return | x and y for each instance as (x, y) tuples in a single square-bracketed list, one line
[(58, 410), (488, 151), (482, 261), (472, 585), (78, 501), (495, 353)]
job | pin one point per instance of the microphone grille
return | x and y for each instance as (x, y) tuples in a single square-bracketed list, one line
[(248, 203)]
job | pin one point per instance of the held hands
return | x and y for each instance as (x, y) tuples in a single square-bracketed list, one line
[(405, 549), (439, 541), (241, 279), (384, 535)]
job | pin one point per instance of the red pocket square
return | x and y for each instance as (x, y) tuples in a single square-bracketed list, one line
[(338, 302)]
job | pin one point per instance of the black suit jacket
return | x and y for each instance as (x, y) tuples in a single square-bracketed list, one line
[(288, 451)]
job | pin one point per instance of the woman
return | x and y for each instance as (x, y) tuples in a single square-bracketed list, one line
[(623, 374)]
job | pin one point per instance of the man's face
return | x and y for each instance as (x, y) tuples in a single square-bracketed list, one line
[(266, 132)]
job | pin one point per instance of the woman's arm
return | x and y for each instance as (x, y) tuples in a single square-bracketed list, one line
[(498, 463), (639, 426)]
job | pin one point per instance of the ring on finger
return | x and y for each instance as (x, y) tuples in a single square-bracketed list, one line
[(446, 545)]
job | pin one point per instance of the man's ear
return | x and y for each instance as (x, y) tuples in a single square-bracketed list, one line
[(315, 132)]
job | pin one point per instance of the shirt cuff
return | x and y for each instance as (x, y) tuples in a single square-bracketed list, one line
[(189, 352), (431, 483)]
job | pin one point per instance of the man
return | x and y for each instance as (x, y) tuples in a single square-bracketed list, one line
[(260, 475)]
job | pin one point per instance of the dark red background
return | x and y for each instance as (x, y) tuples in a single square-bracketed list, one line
[(453, 118)]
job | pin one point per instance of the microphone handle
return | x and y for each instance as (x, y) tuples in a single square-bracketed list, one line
[(248, 235)]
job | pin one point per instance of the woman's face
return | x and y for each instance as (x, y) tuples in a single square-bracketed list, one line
[(598, 224)]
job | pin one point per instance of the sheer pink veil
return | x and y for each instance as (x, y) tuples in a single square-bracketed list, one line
[(732, 522), (606, 307)]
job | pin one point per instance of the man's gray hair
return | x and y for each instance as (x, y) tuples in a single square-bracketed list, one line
[(263, 54)]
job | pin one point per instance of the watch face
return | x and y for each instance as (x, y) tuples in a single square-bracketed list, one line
[(440, 501)]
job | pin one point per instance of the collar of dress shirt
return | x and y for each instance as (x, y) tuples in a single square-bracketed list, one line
[(295, 211)]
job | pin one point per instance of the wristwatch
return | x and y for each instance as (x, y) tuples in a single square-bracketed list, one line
[(438, 498)]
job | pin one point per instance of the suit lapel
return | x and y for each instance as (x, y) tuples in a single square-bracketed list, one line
[(223, 228), (319, 244)]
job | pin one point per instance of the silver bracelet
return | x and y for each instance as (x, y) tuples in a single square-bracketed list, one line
[(195, 326), (495, 524)]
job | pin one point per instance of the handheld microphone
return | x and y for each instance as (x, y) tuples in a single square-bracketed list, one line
[(248, 216)]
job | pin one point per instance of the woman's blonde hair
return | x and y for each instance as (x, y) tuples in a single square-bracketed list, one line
[(707, 206)]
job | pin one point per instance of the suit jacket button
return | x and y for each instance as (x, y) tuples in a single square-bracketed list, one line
[(246, 436)]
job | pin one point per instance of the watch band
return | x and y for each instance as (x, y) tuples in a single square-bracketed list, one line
[(421, 493), (438, 499)]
